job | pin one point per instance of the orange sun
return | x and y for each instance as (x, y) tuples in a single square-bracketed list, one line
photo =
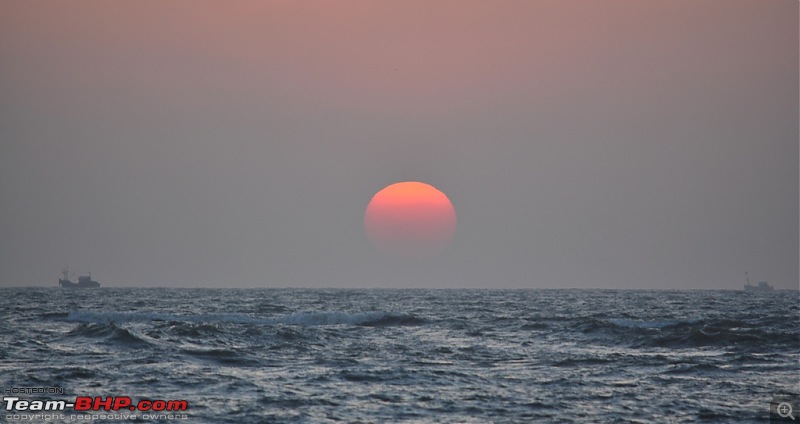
[(410, 220)]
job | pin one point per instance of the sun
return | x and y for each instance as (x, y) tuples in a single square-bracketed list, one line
[(411, 220)]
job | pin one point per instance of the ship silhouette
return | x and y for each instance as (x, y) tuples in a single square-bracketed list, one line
[(763, 286), (84, 281)]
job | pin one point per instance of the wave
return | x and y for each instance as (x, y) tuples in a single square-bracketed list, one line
[(631, 323), (100, 317), (370, 319), (221, 356), (689, 333), (110, 332), (193, 329), (579, 362), (53, 315)]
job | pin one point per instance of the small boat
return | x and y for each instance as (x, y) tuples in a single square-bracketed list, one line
[(763, 286), (84, 281)]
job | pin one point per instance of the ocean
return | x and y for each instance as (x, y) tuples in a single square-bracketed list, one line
[(397, 356)]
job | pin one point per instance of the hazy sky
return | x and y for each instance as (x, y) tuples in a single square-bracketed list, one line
[(619, 144)]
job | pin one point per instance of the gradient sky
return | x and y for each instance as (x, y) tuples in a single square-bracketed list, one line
[(618, 144)]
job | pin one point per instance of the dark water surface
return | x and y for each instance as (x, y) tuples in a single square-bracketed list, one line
[(308, 355)]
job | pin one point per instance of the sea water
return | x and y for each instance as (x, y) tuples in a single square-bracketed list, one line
[(380, 356)]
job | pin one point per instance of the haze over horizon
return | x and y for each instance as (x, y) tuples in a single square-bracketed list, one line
[(613, 144)]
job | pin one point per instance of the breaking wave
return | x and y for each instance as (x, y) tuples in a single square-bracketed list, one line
[(109, 332)]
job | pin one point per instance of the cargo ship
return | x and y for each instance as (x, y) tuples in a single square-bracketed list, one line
[(762, 286), (84, 281)]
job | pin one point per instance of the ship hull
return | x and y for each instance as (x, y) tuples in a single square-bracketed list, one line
[(81, 285), (756, 289)]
